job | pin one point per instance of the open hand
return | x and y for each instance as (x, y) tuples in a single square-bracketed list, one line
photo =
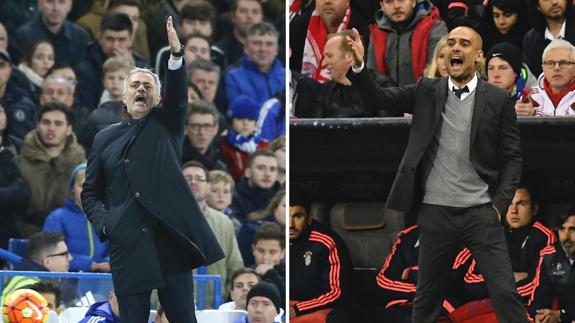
[(356, 48), (173, 39)]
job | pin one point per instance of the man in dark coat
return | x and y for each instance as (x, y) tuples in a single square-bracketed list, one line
[(137, 198), (460, 170)]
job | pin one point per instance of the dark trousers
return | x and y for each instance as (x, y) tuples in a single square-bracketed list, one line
[(177, 299), (442, 231)]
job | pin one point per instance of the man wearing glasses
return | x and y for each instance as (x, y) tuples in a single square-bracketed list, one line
[(45, 251), (200, 143), (555, 90), (197, 177)]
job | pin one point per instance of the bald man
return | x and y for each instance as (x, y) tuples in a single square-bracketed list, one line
[(458, 173)]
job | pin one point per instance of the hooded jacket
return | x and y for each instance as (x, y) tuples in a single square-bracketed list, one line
[(47, 176), (80, 236), (400, 64)]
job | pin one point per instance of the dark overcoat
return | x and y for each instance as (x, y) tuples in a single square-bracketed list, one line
[(494, 151), (136, 196)]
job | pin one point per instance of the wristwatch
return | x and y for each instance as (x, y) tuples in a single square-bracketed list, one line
[(179, 53)]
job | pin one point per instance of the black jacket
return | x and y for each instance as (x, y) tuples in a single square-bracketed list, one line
[(320, 270), (137, 197), (248, 199), (495, 150), (212, 159), (524, 245), (555, 278), (534, 43), (14, 191)]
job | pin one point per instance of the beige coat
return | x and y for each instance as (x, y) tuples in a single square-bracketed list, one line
[(47, 178)]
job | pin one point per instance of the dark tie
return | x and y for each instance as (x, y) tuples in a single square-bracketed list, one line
[(458, 92)]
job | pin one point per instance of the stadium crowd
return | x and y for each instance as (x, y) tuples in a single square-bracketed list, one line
[(63, 66), (527, 48)]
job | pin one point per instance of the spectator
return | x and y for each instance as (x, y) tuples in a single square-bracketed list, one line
[(131, 8), (241, 139), (49, 155), (88, 252), (555, 91), (105, 312), (45, 251), (111, 108), (274, 212), (196, 46), (51, 293), (20, 110), (268, 250), (69, 40), (66, 72), (555, 280), (259, 69), (505, 21), (199, 17), (197, 177), (115, 40), (437, 67), (58, 89), (263, 304), (245, 14), (14, 191), (526, 238), (258, 185), (320, 267), (200, 143), (278, 146), (206, 76), (272, 119), (337, 99), (36, 63), (308, 35), (243, 280), (403, 39), (550, 20), (222, 189), (505, 69)]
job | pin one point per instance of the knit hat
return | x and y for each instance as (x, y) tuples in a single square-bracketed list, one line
[(244, 107), (507, 52), (267, 290), (4, 55), (75, 172)]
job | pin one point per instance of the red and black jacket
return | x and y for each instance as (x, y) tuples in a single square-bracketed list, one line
[(524, 245), (320, 270)]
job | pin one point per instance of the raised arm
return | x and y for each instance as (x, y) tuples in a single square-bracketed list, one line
[(397, 100), (175, 94)]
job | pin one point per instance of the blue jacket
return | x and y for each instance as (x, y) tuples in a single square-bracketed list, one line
[(21, 112), (100, 312), (247, 79), (80, 236)]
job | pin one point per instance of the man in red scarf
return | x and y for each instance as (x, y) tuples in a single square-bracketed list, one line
[(308, 35)]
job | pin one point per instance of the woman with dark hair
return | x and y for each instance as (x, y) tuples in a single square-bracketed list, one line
[(36, 63), (504, 21)]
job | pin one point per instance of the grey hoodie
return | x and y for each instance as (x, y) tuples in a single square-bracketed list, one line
[(398, 52)]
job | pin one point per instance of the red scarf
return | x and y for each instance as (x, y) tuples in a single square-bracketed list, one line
[(556, 97), (314, 43)]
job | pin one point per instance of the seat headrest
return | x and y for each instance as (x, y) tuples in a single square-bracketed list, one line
[(363, 216)]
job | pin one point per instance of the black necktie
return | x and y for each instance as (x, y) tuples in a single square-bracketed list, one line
[(458, 92)]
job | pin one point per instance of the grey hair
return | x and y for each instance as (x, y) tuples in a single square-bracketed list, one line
[(145, 71), (559, 44), (59, 78), (205, 65), (262, 28)]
